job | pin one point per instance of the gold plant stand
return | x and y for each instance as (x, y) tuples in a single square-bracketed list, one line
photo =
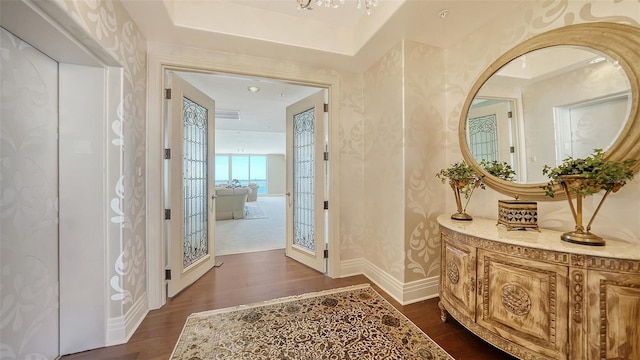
[(582, 235), (461, 214)]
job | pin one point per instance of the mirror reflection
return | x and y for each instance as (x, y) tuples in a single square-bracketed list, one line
[(547, 105)]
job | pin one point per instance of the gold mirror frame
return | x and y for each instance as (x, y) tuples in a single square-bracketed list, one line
[(620, 42)]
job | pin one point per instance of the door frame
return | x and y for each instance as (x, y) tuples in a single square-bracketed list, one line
[(158, 66)]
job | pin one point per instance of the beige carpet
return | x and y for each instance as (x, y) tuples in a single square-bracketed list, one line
[(347, 323), (263, 232)]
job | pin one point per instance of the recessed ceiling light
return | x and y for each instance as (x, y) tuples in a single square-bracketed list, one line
[(253, 89)]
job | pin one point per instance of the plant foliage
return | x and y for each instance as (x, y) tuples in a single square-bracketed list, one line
[(501, 170), (462, 176), (590, 174)]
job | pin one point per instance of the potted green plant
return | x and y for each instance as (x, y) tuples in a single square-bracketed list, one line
[(501, 170), (463, 180), (584, 177)]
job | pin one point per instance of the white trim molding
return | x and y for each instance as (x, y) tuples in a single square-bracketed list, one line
[(404, 293), (121, 328)]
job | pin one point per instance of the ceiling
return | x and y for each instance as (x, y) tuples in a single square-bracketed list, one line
[(344, 38)]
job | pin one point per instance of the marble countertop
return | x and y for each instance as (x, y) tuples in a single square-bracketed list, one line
[(544, 239)]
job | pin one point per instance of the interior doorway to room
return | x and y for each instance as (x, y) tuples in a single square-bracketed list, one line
[(250, 155)]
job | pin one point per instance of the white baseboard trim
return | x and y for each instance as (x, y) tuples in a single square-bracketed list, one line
[(404, 293), (422, 289), (351, 267), (120, 329)]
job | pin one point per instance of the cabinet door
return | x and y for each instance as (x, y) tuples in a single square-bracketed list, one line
[(614, 315), (524, 301), (458, 279)]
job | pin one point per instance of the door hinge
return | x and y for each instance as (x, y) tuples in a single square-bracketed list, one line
[(326, 254), (326, 204), (167, 94), (326, 107), (167, 214), (509, 114), (512, 149), (167, 274), (326, 156), (167, 154)]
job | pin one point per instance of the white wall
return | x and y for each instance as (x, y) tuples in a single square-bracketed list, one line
[(276, 174)]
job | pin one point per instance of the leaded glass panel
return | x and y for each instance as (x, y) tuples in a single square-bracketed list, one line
[(483, 137), (194, 173), (303, 175)]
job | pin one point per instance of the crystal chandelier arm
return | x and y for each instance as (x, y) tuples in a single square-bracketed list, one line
[(304, 4), (367, 4)]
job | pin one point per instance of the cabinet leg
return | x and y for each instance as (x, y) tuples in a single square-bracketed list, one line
[(443, 312)]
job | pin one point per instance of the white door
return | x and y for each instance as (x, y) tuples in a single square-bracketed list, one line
[(306, 181), (191, 185)]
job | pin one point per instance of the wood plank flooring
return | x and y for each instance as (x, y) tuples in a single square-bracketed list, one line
[(254, 277)]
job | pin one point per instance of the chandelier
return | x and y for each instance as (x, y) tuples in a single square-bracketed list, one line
[(306, 4)]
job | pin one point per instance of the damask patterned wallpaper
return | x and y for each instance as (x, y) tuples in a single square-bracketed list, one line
[(384, 164), (410, 139), (399, 142), (29, 318), (105, 27), (424, 134), (352, 134), (404, 246), (404, 104)]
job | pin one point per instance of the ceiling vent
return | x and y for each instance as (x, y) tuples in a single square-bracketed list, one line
[(228, 114)]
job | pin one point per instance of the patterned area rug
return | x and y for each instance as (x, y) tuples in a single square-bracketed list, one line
[(253, 210), (347, 323)]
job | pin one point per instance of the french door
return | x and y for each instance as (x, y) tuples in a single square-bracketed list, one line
[(306, 174), (190, 185)]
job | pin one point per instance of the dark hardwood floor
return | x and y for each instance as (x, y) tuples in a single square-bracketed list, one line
[(254, 277)]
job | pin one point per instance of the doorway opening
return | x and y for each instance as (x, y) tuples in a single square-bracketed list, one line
[(249, 165)]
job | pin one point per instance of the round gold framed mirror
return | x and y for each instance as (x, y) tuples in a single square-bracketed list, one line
[(591, 76)]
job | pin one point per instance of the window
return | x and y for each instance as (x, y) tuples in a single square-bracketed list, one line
[(244, 168), (240, 168), (222, 169)]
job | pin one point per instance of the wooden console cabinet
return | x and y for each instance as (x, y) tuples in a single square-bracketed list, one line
[(537, 297)]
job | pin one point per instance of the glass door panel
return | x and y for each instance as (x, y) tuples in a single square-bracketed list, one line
[(306, 182), (191, 185)]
